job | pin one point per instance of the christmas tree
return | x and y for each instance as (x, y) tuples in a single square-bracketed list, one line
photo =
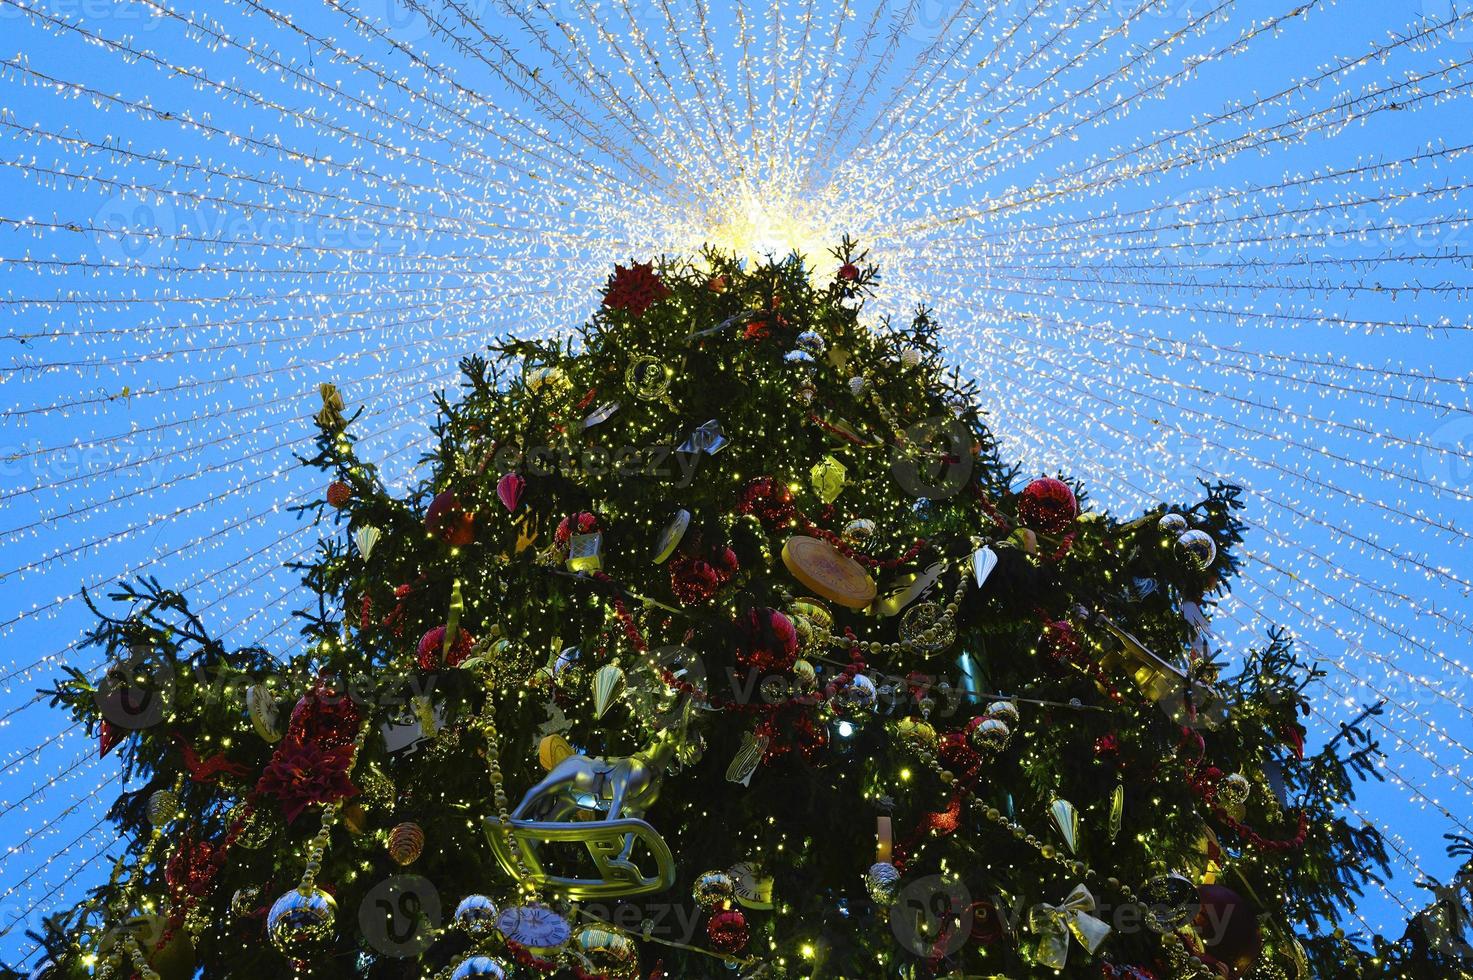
[(720, 640)]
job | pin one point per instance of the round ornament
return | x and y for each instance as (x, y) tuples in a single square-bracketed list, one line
[(533, 926), (1234, 789), (799, 357), (712, 889), (163, 807), (245, 902), (1197, 549), (859, 696), (857, 386), (265, 713), (1048, 506), (301, 921), (824, 570), (1172, 524), (882, 881), (910, 356), (925, 627), (609, 953), (811, 341), (917, 732), (988, 734), (647, 379), (1229, 928), (768, 640), (476, 915), (670, 536), (481, 966), (727, 931), (1004, 711), (1169, 902), (805, 674), (406, 843), (858, 532), (751, 886), (338, 494)]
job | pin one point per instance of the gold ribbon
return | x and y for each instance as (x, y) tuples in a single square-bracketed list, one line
[(331, 415), (1054, 924)]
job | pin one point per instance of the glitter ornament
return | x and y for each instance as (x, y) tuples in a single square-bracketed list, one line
[(811, 342), (163, 807), (301, 922), (1047, 506), (988, 734), (859, 696), (882, 881), (338, 494), (1197, 549), (910, 357), (727, 931), (712, 889), (1234, 789), (1004, 711), (476, 916), (406, 843)]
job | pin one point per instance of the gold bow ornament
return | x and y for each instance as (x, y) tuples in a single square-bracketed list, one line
[(1054, 924)]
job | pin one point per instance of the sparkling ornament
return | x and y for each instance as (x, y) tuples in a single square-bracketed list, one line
[(857, 386), (338, 494), (406, 843), (1234, 789), (1169, 902), (163, 807), (1197, 549), (245, 902), (585, 552), (828, 477), (301, 922), (1172, 525), (910, 356), (917, 732), (1066, 818), (365, 538), (712, 889), (608, 683), (375, 790), (882, 881), (805, 674), (859, 696), (811, 342), (476, 916), (481, 966), (798, 357), (611, 954), (858, 532), (926, 628), (727, 931), (648, 379), (1004, 711), (509, 490), (1048, 506), (989, 734)]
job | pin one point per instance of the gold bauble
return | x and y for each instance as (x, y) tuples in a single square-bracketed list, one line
[(609, 953)]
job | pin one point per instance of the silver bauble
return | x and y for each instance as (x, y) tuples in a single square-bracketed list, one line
[(163, 807), (857, 532), (1197, 548), (712, 888), (1172, 525), (476, 915), (859, 696), (989, 735), (481, 966), (1234, 789), (1169, 902), (811, 342), (1004, 711), (300, 922)]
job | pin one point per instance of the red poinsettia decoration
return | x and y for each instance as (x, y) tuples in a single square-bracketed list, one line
[(634, 289), (307, 774)]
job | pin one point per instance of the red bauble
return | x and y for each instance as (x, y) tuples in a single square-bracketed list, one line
[(768, 641), (695, 578), (433, 642), (634, 289), (449, 521), (338, 494), (1229, 929), (1048, 505), (727, 931), (849, 272), (769, 501), (324, 715)]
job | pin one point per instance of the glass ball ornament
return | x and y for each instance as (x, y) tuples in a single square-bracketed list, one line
[(799, 358), (1004, 711), (1172, 525), (856, 386), (300, 921), (860, 695), (859, 531), (925, 627), (163, 807), (811, 342), (712, 888), (481, 966), (1197, 549), (610, 954), (807, 392), (245, 901), (989, 734), (1048, 505), (1169, 902), (882, 881), (476, 916), (1234, 789)]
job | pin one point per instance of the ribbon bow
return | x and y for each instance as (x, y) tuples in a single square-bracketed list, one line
[(708, 439), (1054, 924)]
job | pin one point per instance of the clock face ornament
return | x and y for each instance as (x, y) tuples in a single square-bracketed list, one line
[(533, 926)]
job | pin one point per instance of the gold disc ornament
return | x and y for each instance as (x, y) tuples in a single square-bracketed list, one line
[(824, 570)]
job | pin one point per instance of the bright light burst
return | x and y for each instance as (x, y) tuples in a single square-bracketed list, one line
[(1171, 240)]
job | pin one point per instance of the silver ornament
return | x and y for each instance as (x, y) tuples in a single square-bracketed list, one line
[(989, 735), (301, 921), (712, 888), (1169, 902), (163, 807), (811, 342), (1004, 711), (925, 627), (856, 385), (859, 696), (1234, 789), (882, 881), (910, 357), (1172, 525), (799, 357), (1197, 548), (476, 915), (481, 966), (857, 532)]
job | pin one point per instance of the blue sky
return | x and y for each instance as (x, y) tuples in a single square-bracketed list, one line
[(187, 254)]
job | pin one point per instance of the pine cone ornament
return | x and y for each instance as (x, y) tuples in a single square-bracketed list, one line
[(406, 843)]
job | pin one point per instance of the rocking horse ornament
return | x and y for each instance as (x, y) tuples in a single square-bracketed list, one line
[(611, 795)]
